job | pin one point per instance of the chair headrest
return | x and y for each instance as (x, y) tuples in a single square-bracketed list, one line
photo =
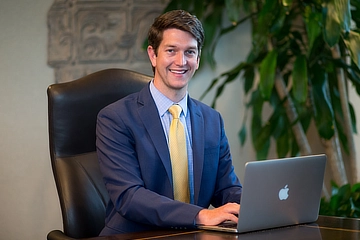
[(73, 107)]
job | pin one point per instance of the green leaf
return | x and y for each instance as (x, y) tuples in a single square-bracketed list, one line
[(262, 141), (355, 187), (212, 24), (325, 208), (277, 119), (173, 4), (242, 134), (263, 152), (267, 10), (256, 122), (199, 8), (353, 44), (264, 22), (337, 20), (313, 26), (353, 74), (213, 83), (332, 29), (345, 193), (233, 8), (283, 143), (345, 13), (267, 74), (230, 77), (287, 3), (334, 204), (278, 21), (323, 111), (300, 79), (339, 120), (272, 128), (294, 147), (249, 77), (353, 118), (334, 188), (355, 12)]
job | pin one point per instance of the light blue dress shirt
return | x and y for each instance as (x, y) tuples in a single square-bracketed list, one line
[(163, 104)]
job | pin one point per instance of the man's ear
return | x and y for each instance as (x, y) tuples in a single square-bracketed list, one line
[(152, 55)]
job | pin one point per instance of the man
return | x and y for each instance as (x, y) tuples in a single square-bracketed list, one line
[(133, 136)]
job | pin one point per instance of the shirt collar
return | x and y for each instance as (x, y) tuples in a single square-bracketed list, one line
[(163, 103)]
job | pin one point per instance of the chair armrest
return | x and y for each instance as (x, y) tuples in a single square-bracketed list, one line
[(58, 235)]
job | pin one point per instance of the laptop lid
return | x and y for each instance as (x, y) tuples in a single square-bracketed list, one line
[(279, 193)]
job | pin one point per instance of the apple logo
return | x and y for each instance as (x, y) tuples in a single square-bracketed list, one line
[(283, 193)]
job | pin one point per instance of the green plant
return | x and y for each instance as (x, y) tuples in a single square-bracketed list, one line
[(304, 56), (344, 201)]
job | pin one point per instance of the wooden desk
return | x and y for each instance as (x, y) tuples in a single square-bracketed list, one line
[(325, 228)]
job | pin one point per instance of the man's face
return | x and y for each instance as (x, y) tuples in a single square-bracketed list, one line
[(176, 61)]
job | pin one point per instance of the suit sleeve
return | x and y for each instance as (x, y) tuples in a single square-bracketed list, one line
[(228, 187), (220, 184)]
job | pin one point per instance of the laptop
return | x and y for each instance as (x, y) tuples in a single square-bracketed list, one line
[(278, 193)]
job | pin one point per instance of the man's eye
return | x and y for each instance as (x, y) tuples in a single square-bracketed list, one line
[(191, 52)]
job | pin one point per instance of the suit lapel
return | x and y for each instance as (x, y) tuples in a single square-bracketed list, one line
[(197, 129), (153, 126)]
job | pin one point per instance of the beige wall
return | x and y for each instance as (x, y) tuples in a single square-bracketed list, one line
[(28, 202), (29, 207)]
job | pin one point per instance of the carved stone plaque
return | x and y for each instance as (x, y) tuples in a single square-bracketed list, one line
[(87, 35)]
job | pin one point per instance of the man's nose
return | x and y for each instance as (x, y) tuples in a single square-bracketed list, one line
[(180, 59)]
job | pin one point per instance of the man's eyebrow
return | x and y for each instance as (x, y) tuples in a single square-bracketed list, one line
[(175, 46), (170, 45)]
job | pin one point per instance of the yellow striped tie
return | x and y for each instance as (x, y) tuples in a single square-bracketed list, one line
[(178, 155)]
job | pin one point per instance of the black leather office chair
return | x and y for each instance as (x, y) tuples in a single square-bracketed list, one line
[(72, 112)]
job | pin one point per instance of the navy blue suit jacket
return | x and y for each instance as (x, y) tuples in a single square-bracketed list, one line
[(135, 162)]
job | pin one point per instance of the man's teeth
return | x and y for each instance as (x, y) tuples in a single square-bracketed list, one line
[(178, 71)]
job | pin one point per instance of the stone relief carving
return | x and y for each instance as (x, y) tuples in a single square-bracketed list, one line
[(87, 35)]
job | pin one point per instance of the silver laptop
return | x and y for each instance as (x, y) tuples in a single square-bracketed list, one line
[(278, 193)]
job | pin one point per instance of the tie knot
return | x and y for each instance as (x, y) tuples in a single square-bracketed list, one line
[(175, 110)]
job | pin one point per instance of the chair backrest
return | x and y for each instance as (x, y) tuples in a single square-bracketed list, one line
[(72, 113)]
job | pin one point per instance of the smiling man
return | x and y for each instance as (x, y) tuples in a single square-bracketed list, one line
[(139, 157)]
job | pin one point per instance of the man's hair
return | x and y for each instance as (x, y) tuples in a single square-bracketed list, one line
[(178, 19)]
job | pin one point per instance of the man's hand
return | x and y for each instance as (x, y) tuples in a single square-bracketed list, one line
[(218, 215)]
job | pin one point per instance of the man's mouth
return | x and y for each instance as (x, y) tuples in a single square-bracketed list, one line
[(178, 71)]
